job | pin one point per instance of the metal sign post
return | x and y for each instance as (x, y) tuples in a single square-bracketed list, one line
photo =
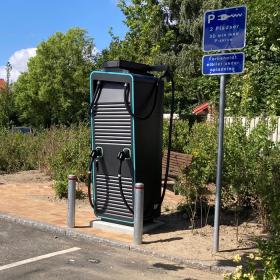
[(223, 29), (219, 164)]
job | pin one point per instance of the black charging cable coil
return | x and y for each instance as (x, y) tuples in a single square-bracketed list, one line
[(96, 153), (96, 96), (123, 155), (154, 92)]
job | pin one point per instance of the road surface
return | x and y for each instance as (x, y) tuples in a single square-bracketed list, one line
[(27, 253)]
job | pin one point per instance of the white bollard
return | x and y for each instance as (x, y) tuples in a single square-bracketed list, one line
[(71, 200), (138, 213)]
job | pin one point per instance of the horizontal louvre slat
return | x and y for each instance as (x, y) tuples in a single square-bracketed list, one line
[(112, 140), (110, 188), (115, 198), (111, 105), (117, 144), (108, 131), (118, 214), (112, 118), (113, 134), (119, 127), (114, 203), (114, 110), (108, 197), (114, 179), (109, 177), (114, 183), (112, 124), (110, 115), (113, 211), (111, 137), (120, 143)]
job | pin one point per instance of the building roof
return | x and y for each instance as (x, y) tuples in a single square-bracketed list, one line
[(199, 109), (2, 84)]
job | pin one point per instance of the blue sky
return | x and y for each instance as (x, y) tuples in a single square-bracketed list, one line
[(25, 23)]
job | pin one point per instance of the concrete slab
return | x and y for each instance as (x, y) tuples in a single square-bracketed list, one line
[(103, 225)]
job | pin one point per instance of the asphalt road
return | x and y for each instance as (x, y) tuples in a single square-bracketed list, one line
[(91, 261)]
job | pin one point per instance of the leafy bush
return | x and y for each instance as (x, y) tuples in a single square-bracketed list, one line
[(18, 151), (264, 176), (7, 108), (59, 151), (265, 264), (250, 172), (202, 146), (68, 150), (180, 134)]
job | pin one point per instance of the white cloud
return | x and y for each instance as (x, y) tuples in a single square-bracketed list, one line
[(95, 51), (18, 61)]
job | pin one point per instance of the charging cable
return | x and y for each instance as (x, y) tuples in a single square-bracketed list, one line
[(123, 155)]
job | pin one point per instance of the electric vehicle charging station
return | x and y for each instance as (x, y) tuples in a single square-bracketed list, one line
[(126, 116)]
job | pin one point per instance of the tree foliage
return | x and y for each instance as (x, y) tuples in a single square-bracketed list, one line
[(170, 32), (6, 108), (55, 88), (257, 92)]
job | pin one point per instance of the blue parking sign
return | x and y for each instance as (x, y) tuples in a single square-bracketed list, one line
[(221, 64), (224, 29)]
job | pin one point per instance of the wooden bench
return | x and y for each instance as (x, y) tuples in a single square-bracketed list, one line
[(178, 163)]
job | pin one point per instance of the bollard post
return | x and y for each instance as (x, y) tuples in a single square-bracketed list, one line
[(71, 200), (138, 213)]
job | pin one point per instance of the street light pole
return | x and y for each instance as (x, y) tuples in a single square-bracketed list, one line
[(8, 71)]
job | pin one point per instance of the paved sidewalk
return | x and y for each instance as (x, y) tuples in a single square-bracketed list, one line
[(37, 203), (34, 200)]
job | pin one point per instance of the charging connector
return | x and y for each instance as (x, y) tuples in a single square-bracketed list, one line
[(95, 154)]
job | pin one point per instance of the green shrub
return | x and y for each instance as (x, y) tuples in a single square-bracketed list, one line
[(60, 188), (202, 146), (59, 151), (250, 170), (269, 252), (18, 151), (180, 135), (68, 155), (265, 264)]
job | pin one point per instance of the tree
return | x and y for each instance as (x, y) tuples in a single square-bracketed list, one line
[(55, 89), (258, 90), (147, 35), (170, 32)]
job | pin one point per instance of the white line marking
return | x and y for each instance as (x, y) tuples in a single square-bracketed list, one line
[(39, 258)]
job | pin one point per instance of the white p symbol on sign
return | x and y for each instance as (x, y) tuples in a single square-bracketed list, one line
[(211, 17)]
